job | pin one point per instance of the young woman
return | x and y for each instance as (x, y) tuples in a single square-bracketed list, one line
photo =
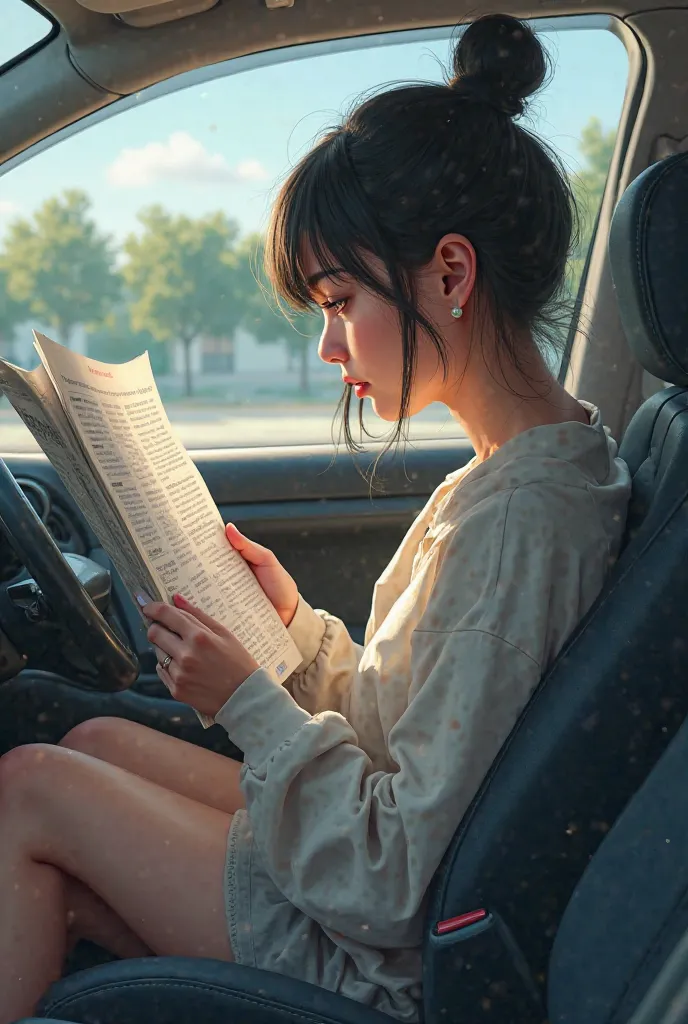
[(433, 231)]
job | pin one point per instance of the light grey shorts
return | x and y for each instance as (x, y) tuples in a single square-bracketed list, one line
[(267, 931)]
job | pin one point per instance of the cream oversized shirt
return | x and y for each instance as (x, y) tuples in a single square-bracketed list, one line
[(358, 770)]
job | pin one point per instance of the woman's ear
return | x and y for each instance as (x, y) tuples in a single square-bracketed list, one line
[(456, 262)]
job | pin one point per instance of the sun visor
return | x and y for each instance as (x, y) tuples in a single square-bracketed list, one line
[(166, 10), (142, 13)]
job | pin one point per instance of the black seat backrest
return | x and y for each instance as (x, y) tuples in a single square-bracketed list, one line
[(610, 704), (631, 906)]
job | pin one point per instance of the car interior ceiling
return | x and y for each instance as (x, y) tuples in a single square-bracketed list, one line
[(606, 962)]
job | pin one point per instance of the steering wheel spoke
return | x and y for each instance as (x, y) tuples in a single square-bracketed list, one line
[(69, 591)]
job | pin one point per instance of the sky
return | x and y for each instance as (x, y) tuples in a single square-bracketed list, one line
[(225, 144)]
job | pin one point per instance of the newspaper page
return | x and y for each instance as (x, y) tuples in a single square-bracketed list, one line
[(34, 397), (163, 499)]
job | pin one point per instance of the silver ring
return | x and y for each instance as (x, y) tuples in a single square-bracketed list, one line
[(166, 662)]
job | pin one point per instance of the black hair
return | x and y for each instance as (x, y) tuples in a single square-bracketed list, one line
[(418, 161)]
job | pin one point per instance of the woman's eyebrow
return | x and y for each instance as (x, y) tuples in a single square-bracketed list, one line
[(315, 278)]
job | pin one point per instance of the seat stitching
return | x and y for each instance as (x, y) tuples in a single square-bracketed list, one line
[(649, 311), (67, 1002), (651, 949)]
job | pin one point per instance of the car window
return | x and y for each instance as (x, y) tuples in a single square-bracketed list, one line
[(192, 172), (23, 27)]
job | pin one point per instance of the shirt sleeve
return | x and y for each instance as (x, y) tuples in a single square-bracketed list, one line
[(322, 681), (353, 848)]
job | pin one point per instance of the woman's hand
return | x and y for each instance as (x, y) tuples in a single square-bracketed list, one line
[(277, 584), (208, 663)]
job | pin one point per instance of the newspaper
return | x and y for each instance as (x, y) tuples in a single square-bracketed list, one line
[(104, 428)]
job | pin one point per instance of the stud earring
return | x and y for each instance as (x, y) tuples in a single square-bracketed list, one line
[(457, 312)]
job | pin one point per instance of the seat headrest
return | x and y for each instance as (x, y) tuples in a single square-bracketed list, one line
[(648, 252)]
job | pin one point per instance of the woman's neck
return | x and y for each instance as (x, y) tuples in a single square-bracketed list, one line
[(496, 400)]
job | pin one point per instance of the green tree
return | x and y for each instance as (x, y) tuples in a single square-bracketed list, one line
[(12, 313), (182, 276), (116, 342), (263, 317), (59, 267), (596, 147)]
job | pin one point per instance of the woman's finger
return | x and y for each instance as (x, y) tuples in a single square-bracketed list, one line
[(254, 554), (206, 620), (161, 655), (172, 618), (168, 642)]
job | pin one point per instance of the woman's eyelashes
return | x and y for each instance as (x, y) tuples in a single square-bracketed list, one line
[(336, 304)]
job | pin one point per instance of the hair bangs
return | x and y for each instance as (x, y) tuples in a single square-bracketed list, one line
[(322, 217)]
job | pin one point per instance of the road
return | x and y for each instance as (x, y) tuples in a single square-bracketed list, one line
[(217, 426)]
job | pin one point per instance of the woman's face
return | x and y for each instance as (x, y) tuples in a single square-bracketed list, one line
[(362, 335)]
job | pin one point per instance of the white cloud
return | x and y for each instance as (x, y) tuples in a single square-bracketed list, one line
[(182, 158), (251, 170)]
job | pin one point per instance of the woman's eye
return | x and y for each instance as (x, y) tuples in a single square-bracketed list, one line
[(336, 304)]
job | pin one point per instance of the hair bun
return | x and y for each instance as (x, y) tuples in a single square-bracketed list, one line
[(499, 61)]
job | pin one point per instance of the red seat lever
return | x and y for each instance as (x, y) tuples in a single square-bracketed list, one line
[(453, 924)]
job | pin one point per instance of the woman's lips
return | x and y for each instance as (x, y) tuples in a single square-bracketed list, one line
[(360, 387)]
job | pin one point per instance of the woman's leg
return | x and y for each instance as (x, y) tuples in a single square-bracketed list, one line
[(89, 917), (191, 771), (154, 857), (199, 774)]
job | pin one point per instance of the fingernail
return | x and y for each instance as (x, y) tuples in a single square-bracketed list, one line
[(143, 598), (179, 600)]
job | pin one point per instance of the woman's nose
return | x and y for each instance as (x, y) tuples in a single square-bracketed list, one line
[(331, 347)]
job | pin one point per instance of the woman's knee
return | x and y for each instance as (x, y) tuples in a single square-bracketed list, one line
[(97, 736), (31, 768), (26, 773), (37, 782)]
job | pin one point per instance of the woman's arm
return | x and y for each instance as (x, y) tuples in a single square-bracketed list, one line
[(354, 848)]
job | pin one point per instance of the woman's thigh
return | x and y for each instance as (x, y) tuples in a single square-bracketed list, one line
[(155, 857), (191, 771)]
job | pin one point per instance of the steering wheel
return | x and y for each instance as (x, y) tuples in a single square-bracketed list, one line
[(60, 595)]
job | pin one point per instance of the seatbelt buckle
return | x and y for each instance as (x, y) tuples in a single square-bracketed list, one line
[(473, 968)]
